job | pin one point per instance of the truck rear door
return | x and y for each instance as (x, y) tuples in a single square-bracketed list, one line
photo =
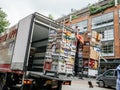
[(22, 43)]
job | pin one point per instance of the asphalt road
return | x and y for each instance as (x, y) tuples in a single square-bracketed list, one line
[(79, 84)]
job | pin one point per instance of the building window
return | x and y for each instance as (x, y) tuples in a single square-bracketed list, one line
[(73, 25), (104, 24), (103, 20), (102, 32), (107, 32), (83, 25), (107, 48)]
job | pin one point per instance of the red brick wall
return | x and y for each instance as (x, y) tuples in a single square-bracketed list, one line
[(114, 9)]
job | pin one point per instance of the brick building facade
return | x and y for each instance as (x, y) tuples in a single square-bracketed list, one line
[(107, 22)]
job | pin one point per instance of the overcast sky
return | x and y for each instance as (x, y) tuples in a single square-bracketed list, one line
[(18, 9)]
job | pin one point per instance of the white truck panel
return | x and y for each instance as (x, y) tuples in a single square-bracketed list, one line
[(21, 44), (7, 41)]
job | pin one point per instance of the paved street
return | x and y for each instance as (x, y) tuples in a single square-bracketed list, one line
[(78, 84)]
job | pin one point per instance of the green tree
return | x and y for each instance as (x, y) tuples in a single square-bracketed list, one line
[(4, 23), (50, 16)]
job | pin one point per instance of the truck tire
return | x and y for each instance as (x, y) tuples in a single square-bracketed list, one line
[(2, 82), (5, 88), (1, 85)]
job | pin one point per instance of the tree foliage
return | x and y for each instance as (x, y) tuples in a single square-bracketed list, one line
[(98, 9), (50, 16), (4, 23)]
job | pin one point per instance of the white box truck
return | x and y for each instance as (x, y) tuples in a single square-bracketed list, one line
[(37, 54)]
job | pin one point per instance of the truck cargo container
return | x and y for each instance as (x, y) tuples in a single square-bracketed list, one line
[(36, 53)]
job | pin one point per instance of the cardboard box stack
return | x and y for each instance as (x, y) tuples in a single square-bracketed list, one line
[(89, 48), (94, 54), (60, 51), (86, 51), (95, 39)]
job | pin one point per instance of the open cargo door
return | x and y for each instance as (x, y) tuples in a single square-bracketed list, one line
[(22, 43)]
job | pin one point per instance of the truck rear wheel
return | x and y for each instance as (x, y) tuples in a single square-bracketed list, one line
[(2, 81)]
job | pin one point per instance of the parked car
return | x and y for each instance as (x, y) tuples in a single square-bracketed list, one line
[(107, 79)]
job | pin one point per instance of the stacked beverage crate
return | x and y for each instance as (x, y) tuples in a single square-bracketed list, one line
[(60, 53)]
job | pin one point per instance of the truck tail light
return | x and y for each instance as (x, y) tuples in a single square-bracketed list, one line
[(27, 81), (67, 83)]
